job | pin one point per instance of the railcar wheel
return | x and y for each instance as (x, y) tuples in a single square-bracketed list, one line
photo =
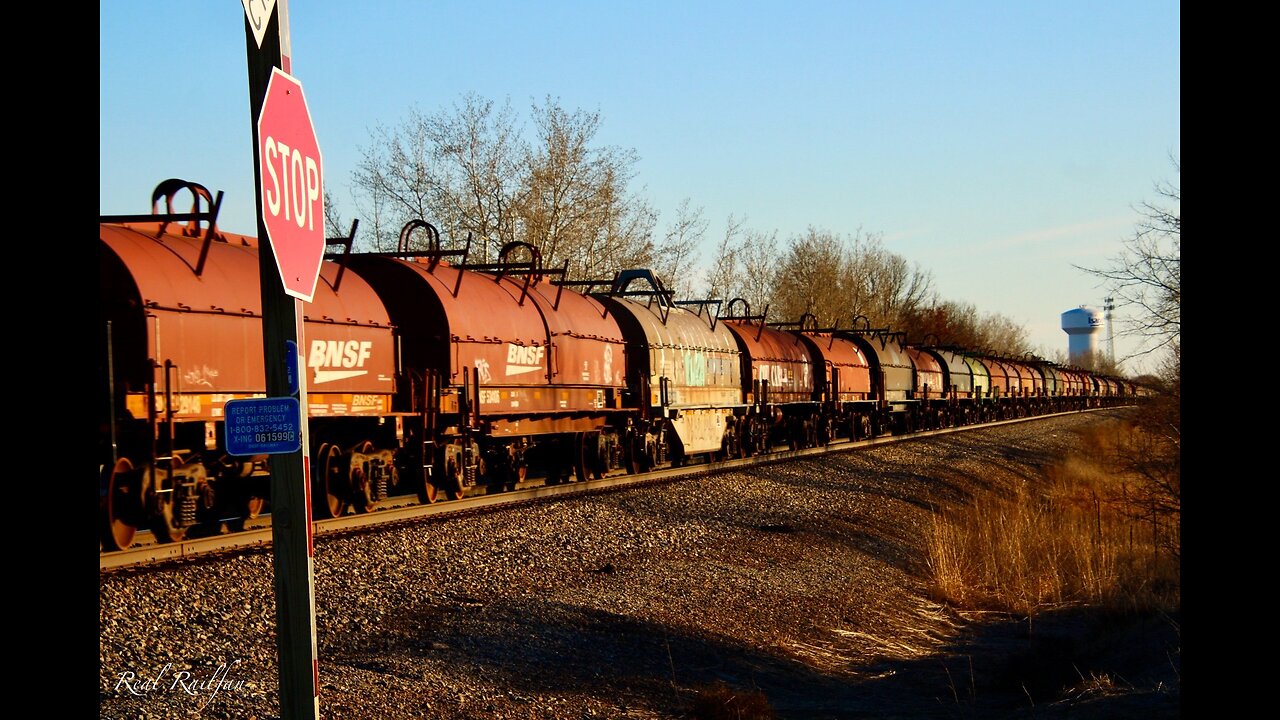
[(242, 496), (561, 455), (254, 506), (328, 499), (121, 506), (253, 492), (452, 480), (427, 493), (632, 456), (163, 523), (362, 495), (585, 465)]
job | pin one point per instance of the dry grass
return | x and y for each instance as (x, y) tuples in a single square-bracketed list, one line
[(721, 702), (1100, 529)]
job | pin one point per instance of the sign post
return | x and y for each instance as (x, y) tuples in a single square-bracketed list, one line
[(289, 176)]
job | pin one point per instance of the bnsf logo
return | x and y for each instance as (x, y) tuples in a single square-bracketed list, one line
[(328, 354), (522, 359)]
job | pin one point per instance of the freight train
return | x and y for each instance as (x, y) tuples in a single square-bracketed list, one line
[(432, 377)]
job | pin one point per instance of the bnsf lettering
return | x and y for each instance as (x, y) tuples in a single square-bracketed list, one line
[(336, 353), (520, 355)]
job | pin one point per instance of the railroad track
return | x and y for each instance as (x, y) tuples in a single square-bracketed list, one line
[(394, 512)]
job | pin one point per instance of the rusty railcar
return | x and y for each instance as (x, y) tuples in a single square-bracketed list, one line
[(962, 388), (684, 372), (1004, 386), (180, 322), (843, 379), (932, 388), (892, 376), (503, 369), (1029, 392), (983, 397), (779, 383), (1052, 382), (1077, 387)]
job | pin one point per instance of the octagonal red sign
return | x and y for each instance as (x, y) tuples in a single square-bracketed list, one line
[(292, 180)]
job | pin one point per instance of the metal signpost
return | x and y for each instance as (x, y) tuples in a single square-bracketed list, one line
[(289, 176)]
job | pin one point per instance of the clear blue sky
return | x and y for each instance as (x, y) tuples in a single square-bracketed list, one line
[(994, 143)]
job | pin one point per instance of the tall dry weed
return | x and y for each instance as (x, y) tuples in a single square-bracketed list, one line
[(1096, 530)]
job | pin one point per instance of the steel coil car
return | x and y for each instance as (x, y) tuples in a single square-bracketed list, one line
[(431, 376), (779, 385), (892, 376), (931, 388), (684, 373), (844, 380), (959, 388), (180, 323), (501, 369)]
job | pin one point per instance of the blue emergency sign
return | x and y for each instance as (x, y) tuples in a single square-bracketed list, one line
[(263, 426)]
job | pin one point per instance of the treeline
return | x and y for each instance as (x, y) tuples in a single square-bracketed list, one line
[(483, 176)]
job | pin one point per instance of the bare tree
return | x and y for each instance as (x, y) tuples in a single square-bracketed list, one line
[(831, 277), (813, 279), (961, 324), (474, 172), (477, 157), (458, 169), (722, 279), (885, 287), (1146, 276), (675, 256), (397, 178), (336, 226), (333, 222), (1002, 335), (575, 198), (757, 266), (949, 323)]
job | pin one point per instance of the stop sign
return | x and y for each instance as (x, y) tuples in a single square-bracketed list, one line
[(292, 181)]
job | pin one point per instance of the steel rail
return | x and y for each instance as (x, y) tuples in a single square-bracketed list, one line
[(394, 513)]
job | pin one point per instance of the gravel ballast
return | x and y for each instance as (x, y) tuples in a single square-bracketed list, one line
[(802, 581)]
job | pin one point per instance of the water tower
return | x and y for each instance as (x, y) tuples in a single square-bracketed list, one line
[(1083, 326)]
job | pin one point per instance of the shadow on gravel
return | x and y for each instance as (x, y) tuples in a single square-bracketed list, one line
[(1060, 665), (549, 649)]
